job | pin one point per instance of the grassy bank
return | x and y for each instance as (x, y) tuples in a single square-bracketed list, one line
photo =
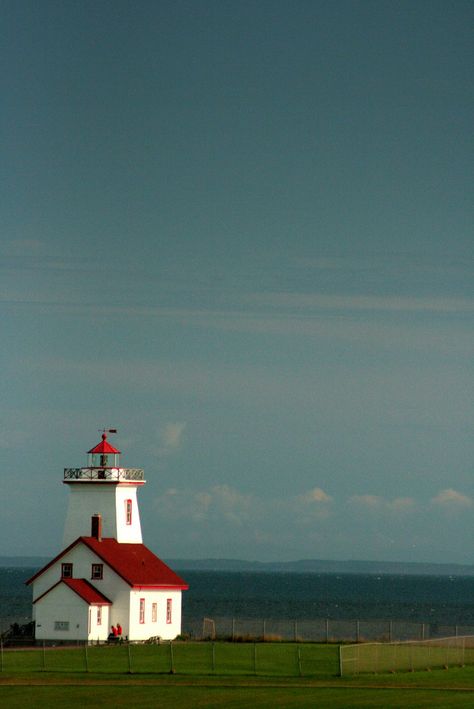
[(308, 681)]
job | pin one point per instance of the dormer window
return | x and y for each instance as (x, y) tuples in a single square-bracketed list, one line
[(66, 571), (128, 511)]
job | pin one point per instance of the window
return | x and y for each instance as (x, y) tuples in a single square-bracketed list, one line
[(99, 615), (154, 612), (128, 511), (169, 604), (97, 571), (61, 625), (66, 571), (142, 610)]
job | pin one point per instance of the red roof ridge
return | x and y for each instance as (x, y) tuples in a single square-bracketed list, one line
[(84, 590)]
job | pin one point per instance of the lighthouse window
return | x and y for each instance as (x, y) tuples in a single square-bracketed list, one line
[(154, 612), (128, 511), (66, 571), (142, 610), (169, 606), (97, 571), (99, 615)]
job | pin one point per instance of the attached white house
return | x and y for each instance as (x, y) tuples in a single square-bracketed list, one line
[(100, 581)]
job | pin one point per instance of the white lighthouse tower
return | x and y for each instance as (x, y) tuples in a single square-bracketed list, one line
[(105, 576), (103, 487)]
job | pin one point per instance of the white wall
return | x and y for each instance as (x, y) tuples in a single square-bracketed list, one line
[(107, 499), (127, 533), (142, 631), (61, 605)]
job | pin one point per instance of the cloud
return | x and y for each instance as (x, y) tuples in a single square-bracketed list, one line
[(170, 439), (316, 495), (172, 435), (376, 502), (220, 502), (451, 498), (402, 503), (371, 501)]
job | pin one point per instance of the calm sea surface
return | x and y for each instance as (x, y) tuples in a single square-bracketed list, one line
[(439, 599)]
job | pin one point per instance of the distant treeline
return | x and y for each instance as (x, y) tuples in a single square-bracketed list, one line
[(316, 566)]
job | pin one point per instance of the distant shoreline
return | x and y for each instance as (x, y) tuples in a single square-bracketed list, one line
[(319, 566)]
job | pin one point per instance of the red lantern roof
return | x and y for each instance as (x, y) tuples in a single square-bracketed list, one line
[(103, 446)]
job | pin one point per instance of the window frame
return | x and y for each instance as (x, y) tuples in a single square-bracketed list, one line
[(128, 512), (141, 614), (60, 625), (169, 611), (67, 570), (154, 612), (99, 615), (99, 575)]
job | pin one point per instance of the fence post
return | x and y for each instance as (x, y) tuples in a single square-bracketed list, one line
[(171, 658), (298, 653), (255, 658), (213, 657), (357, 631), (263, 629), (86, 659), (44, 656), (296, 631), (390, 631), (129, 659), (327, 630), (233, 629), (422, 631)]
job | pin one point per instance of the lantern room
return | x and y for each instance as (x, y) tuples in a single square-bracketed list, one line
[(103, 455)]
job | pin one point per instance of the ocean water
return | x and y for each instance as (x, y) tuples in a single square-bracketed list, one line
[(446, 600)]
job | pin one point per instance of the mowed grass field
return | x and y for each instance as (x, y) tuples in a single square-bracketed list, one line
[(216, 675)]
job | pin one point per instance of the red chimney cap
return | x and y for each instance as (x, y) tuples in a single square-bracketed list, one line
[(103, 446)]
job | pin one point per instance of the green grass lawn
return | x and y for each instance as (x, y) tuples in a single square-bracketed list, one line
[(217, 676)]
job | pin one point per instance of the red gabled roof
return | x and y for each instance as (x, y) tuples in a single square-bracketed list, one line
[(103, 446), (84, 589), (135, 563)]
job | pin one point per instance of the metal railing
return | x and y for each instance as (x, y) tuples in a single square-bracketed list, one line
[(114, 474)]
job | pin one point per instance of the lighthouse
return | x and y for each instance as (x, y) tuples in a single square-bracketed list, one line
[(103, 487), (105, 575)]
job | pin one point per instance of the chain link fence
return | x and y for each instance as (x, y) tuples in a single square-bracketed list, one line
[(321, 630)]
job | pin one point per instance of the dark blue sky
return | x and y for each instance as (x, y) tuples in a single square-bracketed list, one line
[(242, 234)]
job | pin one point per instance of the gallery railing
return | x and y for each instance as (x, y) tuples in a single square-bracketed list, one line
[(113, 474)]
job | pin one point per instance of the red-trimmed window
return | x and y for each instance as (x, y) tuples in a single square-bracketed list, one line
[(154, 612), (66, 571), (169, 610), (128, 511), (97, 571), (99, 615), (142, 610)]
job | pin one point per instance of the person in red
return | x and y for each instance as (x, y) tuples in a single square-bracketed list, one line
[(114, 631), (119, 630)]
